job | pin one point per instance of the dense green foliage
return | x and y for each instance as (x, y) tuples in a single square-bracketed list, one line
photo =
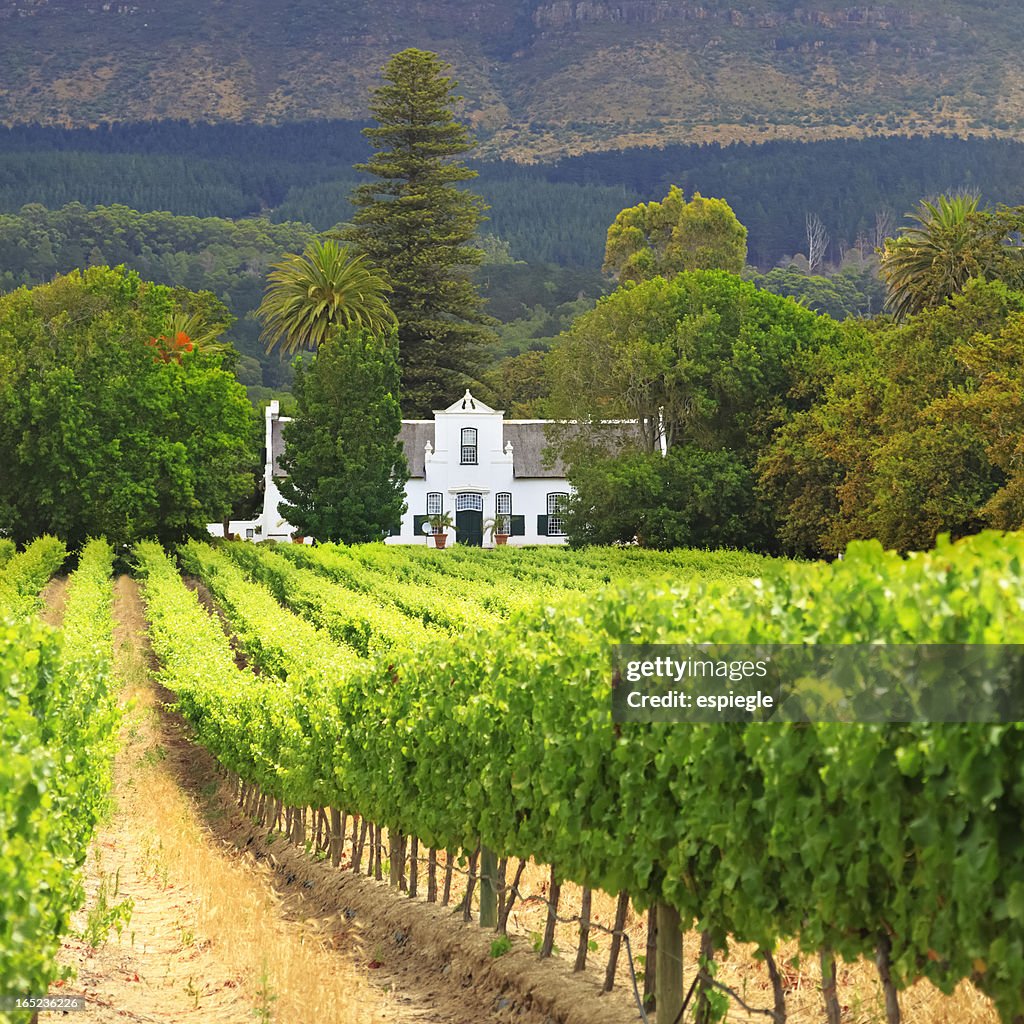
[(912, 429), (663, 239), (228, 258), (948, 242), (303, 172), (549, 214), (704, 363), (23, 574), (58, 728), (346, 467), (854, 290), (915, 827), (108, 427), (313, 294), (415, 223)]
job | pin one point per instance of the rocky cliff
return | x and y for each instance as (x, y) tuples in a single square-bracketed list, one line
[(539, 77)]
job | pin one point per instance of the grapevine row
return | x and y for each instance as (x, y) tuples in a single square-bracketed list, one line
[(24, 574), (58, 724), (899, 841), (349, 616)]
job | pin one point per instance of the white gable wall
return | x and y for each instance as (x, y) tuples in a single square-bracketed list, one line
[(445, 473)]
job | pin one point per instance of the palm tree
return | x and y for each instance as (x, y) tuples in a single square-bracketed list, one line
[(324, 287), (950, 242)]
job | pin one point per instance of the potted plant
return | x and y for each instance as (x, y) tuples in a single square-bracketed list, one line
[(439, 523), (498, 529)]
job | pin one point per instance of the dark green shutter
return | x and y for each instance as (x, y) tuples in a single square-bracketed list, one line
[(518, 526), (417, 524), (542, 526)]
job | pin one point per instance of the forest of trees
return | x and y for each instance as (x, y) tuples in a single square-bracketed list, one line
[(764, 425), (860, 188), (812, 221), (219, 203)]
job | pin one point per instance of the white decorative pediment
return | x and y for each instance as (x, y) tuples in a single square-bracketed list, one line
[(467, 404)]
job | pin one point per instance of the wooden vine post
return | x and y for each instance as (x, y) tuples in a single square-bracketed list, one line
[(337, 836), (581, 946), (829, 992), (488, 888), (651, 959), (555, 891), (395, 858), (668, 992), (621, 908)]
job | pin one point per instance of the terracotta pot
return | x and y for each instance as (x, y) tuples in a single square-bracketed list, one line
[(501, 538), (298, 540), (440, 539)]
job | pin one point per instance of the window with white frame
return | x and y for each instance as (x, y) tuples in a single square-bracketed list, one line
[(503, 511), (469, 503), (556, 513), (469, 446), (435, 506)]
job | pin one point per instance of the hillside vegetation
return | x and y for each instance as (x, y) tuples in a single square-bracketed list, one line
[(540, 76)]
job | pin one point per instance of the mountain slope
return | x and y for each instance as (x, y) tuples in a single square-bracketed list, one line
[(540, 77)]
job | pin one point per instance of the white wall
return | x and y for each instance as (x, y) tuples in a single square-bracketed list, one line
[(444, 473)]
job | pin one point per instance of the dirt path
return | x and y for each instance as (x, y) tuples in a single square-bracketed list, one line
[(206, 939), (54, 597)]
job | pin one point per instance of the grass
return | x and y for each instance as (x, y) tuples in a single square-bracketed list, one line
[(104, 914)]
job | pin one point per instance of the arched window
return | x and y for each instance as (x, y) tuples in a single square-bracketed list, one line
[(503, 504), (434, 503), (469, 503), (556, 510), (469, 446)]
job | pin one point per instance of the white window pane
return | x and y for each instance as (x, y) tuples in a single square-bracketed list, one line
[(556, 502)]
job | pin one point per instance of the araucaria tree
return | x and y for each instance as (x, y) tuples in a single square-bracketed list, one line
[(414, 223), (345, 464)]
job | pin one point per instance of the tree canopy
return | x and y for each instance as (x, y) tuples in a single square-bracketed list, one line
[(912, 430), (110, 423), (652, 239), (346, 466), (700, 357), (414, 223), (703, 363), (311, 294), (949, 241)]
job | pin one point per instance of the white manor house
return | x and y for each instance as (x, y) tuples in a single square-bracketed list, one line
[(468, 461)]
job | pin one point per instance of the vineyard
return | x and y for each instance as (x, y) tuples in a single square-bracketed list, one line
[(445, 720)]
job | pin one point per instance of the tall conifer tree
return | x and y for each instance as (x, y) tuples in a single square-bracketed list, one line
[(416, 225)]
